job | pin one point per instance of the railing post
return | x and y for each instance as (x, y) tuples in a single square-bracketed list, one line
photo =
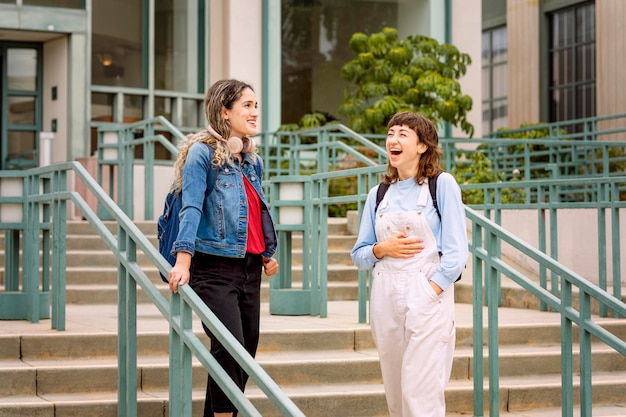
[(180, 378), (127, 329), (477, 324), (567, 355), (30, 268), (59, 249), (586, 400), (127, 183), (492, 283)]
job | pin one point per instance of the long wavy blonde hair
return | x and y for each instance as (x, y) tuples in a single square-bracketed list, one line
[(222, 94)]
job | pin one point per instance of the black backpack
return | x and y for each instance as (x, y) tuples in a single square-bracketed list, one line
[(432, 187)]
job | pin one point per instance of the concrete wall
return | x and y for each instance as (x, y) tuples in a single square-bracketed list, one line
[(55, 62), (467, 37), (577, 240)]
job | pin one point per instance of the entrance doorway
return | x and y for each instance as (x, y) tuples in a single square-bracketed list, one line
[(20, 104)]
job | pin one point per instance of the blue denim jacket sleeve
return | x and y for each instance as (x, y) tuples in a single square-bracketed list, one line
[(195, 181)]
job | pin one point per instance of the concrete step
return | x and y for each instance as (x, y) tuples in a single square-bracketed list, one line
[(352, 400), (327, 366), (44, 375)]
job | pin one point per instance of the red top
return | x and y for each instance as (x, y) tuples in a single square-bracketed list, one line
[(256, 242)]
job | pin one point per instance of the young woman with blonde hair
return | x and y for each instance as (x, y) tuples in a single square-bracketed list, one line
[(226, 236)]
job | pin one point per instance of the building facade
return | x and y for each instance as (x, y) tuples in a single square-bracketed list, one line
[(67, 65), (552, 60)]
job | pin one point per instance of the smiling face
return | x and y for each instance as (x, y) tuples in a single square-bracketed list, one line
[(404, 150), (243, 115)]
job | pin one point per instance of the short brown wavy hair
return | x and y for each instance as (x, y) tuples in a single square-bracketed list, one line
[(428, 165)]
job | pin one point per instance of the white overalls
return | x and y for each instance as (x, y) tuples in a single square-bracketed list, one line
[(412, 326)]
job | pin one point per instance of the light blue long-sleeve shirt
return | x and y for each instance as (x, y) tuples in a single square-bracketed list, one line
[(450, 233)]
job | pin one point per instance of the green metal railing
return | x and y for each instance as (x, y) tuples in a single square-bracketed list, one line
[(606, 200), (333, 146), (487, 269), (316, 153), (117, 147), (40, 206), (587, 129)]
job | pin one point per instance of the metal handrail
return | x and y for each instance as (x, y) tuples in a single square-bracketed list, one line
[(487, 267), (561, 130)]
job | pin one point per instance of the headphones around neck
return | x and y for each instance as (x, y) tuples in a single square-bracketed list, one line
[(235, 144)]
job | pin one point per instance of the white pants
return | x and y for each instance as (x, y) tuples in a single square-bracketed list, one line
[(412, 326), (415, 335)]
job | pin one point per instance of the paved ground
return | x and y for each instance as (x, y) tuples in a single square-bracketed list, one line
[(341, 315)]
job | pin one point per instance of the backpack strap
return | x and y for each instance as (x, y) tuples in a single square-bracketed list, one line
[(432, 187), (380, 194)]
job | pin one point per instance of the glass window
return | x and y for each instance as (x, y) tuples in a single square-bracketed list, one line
[(572, 63), (22, 69), (68, 4), (315, 36), (163, 107), (102, 107), (133, 108), (21, 150), (495, 79), (118, 48), (191, 113), (176, 45), (21, 111)]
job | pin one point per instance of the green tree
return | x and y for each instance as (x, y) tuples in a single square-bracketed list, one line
[(389, 74)]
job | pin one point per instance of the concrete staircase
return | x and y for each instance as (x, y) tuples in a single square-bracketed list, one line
[(327, 366)]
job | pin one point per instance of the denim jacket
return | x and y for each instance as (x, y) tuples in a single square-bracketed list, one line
[(214, 220)]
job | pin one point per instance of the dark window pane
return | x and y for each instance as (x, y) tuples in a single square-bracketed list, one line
[(20, 150), (163, 107), (68, 4), (585, 22), (190, 113), (101, 107), (133, 108), (314, 39), (555, 69), (176, 45), (495, 79), (118, 43), (572, 58)]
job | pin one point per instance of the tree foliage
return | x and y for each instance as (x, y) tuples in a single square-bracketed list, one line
[(389, 74)]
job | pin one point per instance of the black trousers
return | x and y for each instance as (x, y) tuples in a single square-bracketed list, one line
[(231, 288)]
